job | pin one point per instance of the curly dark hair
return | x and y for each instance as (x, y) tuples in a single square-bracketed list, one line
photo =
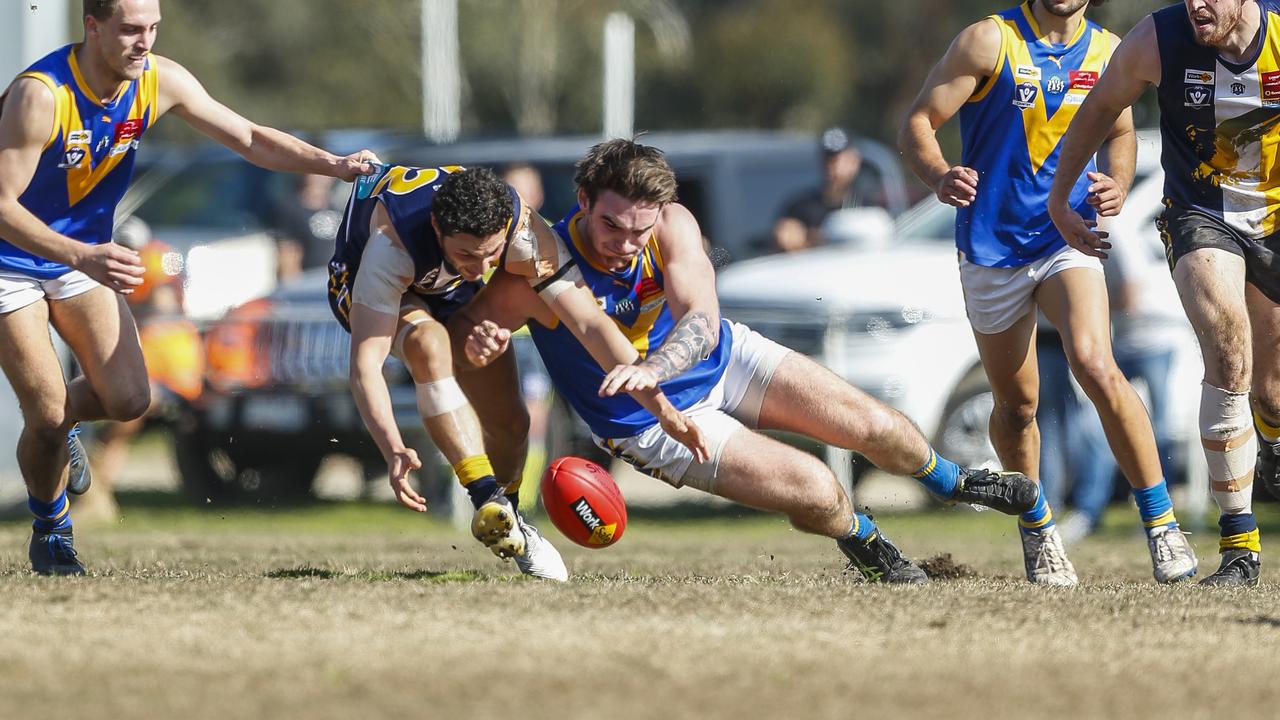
[(634, 171), (474, 201)]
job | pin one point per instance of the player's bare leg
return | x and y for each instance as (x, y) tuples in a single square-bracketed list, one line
[(1075, 301), (760, 472), (1212, 287), (1264, 320), (805, 397), (1009, 358)]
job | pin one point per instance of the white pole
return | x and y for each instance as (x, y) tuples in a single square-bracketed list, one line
[(29, 30), (441, 78), (619, 75)]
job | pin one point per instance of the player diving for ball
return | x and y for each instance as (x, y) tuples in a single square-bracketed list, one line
[(412, 248), (641, 253)]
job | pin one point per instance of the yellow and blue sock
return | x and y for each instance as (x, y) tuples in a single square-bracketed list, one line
[(54, 516), (1039, 517), (939, 475), (863, 527), (1155, 507), (476, 475), (1269, 432), (1239, 532)]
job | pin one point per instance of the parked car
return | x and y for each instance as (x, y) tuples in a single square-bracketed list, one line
[(887, 314)]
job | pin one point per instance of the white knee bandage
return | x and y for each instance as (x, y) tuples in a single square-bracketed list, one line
[(440, 397), (1226, 432)]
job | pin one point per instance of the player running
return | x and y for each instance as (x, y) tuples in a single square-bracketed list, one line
[(1017, 78), (1216, 65)]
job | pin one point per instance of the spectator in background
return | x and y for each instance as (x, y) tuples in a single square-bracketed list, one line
[(799, 226), (308, 225), (527, 181)]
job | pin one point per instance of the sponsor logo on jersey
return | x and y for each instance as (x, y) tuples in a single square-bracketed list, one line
[(73, 157), (127, 131), (1270, 88), (1074, 99), (1024, 96), (1198, 77), (1082, 79), (1056, 85), (648, 288), (1198, 96), (80, 137), (1237, 88), (1026, 72)]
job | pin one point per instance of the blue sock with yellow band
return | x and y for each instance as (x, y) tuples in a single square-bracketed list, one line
[(863, 527), (54, 516), (1038, 517), (1155, 507), (1239, 532), (939, 475)]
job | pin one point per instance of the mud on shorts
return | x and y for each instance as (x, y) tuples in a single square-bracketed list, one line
[(1184, 230), (733, 402), (18, 290)]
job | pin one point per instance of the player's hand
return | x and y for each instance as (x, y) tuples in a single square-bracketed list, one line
[(356, 164), (686, 432), (628, 378), (486, 342), (113, 265), (1105, 194), (1079, 233), (958, 187), (401, 463)]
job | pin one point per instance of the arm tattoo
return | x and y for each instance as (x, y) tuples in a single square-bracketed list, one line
[(689, 343)]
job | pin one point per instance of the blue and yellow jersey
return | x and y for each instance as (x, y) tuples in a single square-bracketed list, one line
[(635, 299), (1012, 130), (1218, 124), (87, 161)]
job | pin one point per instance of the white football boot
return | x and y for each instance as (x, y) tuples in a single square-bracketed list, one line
[(500, 527), (1172, 558), (1045, 558)]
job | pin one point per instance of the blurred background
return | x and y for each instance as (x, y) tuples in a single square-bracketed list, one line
[(779, 117)]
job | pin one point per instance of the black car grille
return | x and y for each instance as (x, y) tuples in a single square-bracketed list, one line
[(305, 351)]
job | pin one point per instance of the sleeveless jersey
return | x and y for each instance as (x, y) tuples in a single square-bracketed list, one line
[(635, 299), (406, 194), (87, 161), (1012, 129), (1218, 124)]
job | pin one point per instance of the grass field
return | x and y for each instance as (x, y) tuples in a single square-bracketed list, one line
[(366, 611)]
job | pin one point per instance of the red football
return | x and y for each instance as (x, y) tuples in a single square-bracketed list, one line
[(584, 502)]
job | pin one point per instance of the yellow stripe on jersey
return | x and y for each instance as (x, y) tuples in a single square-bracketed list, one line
[(1044, 133), (83, 179), (1035, 27), (61, 98), (994, 76), (1269, 160), (84, 86)]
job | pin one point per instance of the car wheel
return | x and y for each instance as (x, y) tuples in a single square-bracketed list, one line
[(963, 434)]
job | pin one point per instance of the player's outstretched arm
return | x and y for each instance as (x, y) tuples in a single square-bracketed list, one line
[(266, 147), (26, 125), (970, 60), (1134, 66)]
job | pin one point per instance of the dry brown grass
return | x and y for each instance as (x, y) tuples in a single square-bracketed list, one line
[(190, 616)]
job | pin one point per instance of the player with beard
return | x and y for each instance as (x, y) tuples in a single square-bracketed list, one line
[(1216, 65), (1017, 78)]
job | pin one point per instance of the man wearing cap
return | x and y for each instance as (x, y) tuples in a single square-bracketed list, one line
[(799, 226)]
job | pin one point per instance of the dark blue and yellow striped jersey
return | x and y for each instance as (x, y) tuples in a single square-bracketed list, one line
[(1012, 130), (406, 193), (87, 161), (635, 299), (1219, 124)]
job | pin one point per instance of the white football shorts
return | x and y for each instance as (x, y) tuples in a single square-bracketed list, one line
[(732, 403), (18, 290), (997, 297)]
